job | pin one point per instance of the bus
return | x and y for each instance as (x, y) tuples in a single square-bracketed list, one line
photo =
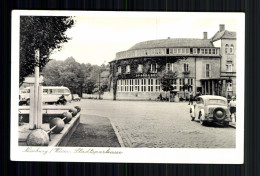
[(51, 94)]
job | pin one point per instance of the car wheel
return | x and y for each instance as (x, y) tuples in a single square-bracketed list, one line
[(219, 114), (202, 122)]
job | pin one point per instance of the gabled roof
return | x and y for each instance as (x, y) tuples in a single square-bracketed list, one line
[(224, 35), (176, 42)]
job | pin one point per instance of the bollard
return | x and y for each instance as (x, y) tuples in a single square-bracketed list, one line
[(73, 111), (78, 108), (59, 123), (67, 117), (39, 137)]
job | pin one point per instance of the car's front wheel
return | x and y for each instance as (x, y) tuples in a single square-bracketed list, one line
[(202, 122), (192, 113)]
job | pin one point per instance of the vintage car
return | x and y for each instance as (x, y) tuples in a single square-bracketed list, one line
[(209, 109), (75, 97)]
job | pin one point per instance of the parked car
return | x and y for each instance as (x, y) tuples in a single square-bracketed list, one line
[(75, 97), (209, 109)]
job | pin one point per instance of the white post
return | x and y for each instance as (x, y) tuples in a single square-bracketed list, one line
[(35, 118), (32, 109), (39, 108)]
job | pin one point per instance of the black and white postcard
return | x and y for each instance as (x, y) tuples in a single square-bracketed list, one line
[(132, 87)]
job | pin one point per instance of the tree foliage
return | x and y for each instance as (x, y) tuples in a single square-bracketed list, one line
[(166, 78), (79, 78), (40, 32)]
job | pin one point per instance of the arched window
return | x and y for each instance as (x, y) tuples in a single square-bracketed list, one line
[(226, 48), (231, 49)]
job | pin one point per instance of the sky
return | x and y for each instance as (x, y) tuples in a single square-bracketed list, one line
[(96, 37)]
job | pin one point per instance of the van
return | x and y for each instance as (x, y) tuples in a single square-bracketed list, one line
[(51, 94)]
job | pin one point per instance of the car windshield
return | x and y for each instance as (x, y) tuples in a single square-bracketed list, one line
[(216, 101)]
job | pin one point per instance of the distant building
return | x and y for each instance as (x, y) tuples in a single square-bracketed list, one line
[(202, 65)]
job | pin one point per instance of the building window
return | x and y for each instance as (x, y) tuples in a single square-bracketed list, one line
[(169, 67), (119, 69), (181, 82), (206, 51), (140, 68), (231, 49), (136, 85), (208, 75), (202, 51), (167, 51), (198, 51), (127, 69), (175, 50), (190, 83), (229, 67), (209, 51), (187, 51), (150, 85), (183, 50), (143, 85), (118, 86), (179, 50), (186, 67), (226, 48), (191, 51), (195, 50), (173, 83), (153, 68), (157, 86), (229, 86), (122, 86), (213, 51), (171, 51)]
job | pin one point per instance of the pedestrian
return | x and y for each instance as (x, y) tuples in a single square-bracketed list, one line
[(190, 98), (232, 105)]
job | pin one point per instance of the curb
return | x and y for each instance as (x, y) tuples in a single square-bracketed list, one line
[(117, 134)]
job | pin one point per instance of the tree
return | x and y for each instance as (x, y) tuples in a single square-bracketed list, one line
[(40, 32), (166, 78), (79, 78)]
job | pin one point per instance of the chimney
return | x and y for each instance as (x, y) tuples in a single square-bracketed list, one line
[(205, 35), (221, 27)]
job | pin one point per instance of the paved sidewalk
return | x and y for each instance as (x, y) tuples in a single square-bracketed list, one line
[(94, 131)]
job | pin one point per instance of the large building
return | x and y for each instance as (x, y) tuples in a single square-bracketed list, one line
[(206, 65)]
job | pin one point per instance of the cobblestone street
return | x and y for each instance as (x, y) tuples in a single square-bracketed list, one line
[(159, 124)]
